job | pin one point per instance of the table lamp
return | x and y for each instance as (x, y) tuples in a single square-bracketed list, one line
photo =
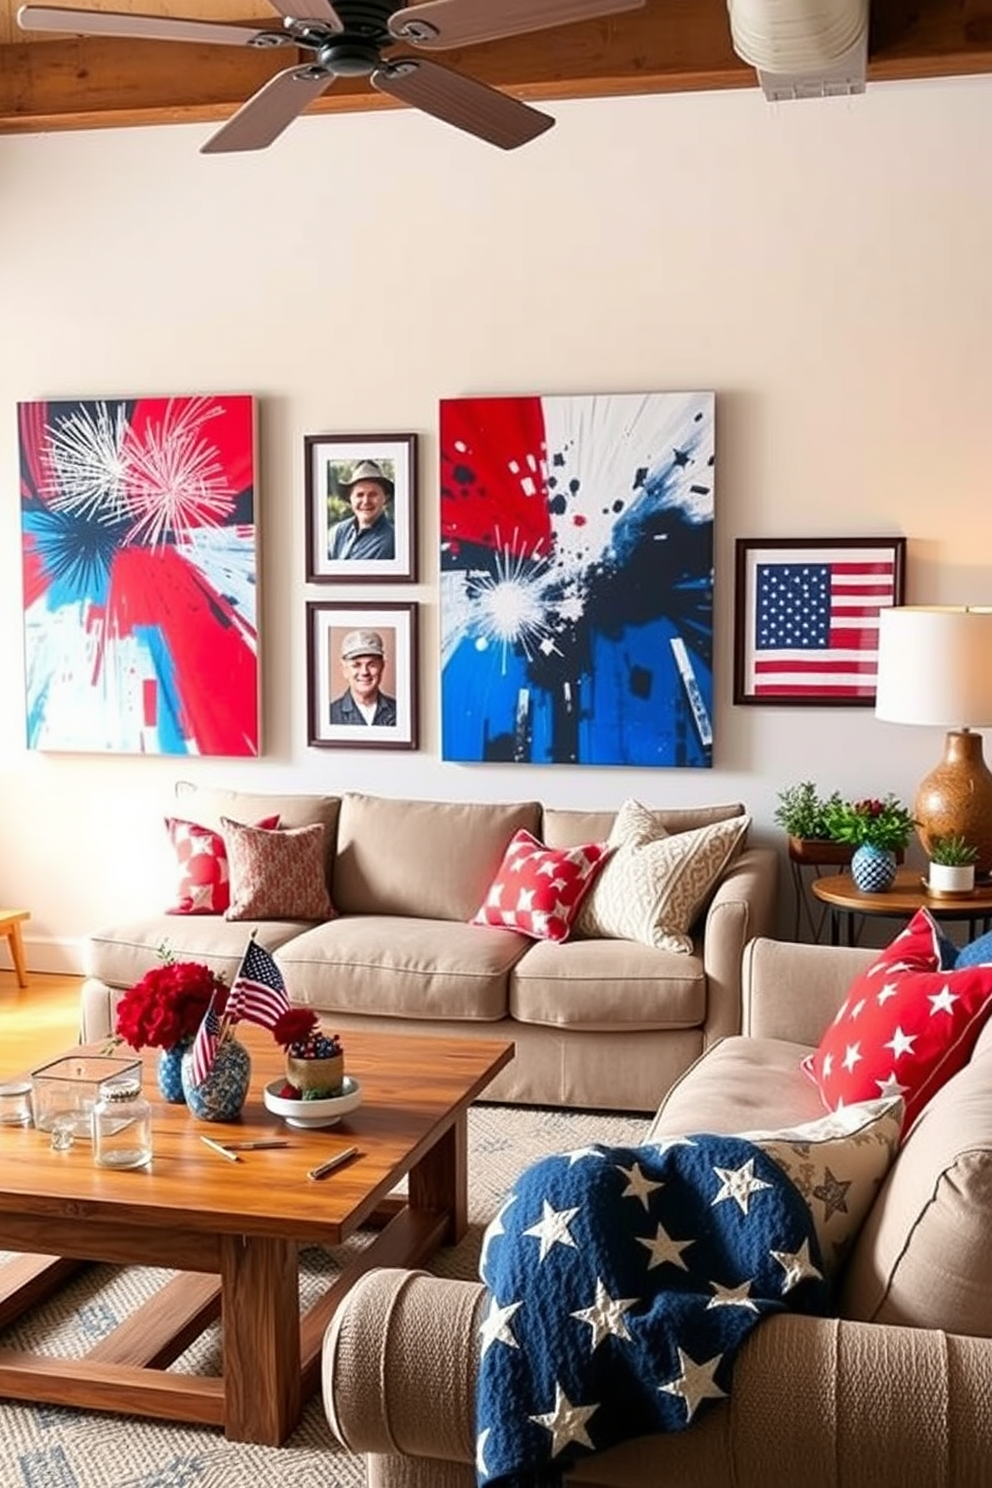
[(935, 667)]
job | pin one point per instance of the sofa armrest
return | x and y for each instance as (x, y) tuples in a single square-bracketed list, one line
[(97, 1010), (816, 1398), (744, 905), (399, 1343), (792, 991)]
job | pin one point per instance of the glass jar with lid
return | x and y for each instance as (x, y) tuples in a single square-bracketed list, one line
[(122, 1125)]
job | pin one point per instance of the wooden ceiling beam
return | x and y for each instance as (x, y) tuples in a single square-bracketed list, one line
[(669, 46)]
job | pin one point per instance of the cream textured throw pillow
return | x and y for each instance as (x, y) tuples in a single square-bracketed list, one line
[(654, 885)]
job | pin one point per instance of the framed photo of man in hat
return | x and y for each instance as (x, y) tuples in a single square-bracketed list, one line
[(362, 676), (361, 507)]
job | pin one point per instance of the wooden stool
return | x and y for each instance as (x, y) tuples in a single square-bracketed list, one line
[(10, 925)]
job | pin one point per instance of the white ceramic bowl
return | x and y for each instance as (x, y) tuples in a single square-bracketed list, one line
[(312, 1113)]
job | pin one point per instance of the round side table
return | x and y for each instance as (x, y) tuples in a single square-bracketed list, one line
[(906, 896)]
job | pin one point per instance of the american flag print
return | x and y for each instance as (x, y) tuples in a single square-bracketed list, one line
[(258, 993), (812, 622)]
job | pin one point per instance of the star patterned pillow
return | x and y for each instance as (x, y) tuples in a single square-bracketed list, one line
[(838, 1163), (538, 890), (204, 885), (906, 1025)]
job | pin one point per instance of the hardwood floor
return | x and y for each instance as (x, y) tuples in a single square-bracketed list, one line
[(37, 1022)]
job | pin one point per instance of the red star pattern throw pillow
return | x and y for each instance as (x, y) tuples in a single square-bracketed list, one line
[(538, 890), (204, 875), (905, 1026)]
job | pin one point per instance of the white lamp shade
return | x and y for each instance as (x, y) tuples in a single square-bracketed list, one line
[(935, 666)]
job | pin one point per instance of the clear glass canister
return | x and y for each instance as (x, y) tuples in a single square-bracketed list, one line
[(122, 1126)]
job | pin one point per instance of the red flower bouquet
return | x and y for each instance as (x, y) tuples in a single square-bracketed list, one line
[(167, 1006)]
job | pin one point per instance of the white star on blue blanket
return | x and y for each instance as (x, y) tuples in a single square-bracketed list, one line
[(621, 1289)]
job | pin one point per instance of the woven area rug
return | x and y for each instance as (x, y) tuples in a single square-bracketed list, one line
[(48, 1447)]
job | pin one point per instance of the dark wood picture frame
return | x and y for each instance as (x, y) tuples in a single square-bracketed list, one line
[(330, 464), (804, 632), (329, 626)]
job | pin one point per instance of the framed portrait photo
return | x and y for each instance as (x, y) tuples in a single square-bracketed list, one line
[(806, 618), (362, 676), (361, 506)]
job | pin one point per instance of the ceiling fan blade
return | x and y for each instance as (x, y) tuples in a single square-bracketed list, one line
[(462, 101), (267, 113), (452, 23), (143, 27), (321, 11)]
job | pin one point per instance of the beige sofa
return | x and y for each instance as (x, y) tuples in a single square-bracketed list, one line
[(896, 1392), (405, 877)]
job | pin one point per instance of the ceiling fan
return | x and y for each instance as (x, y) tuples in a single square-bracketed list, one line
[(346, 40)]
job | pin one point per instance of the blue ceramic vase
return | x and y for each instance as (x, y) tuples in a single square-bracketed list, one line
[(873, 869), (170, 1072), (222, 1094)]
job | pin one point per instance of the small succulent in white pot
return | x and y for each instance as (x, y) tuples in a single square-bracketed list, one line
[(952, 865)]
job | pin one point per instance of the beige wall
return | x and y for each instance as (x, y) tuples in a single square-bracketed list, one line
[(824, 266)]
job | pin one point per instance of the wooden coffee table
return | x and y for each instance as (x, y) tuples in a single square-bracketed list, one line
[(233, 1231)]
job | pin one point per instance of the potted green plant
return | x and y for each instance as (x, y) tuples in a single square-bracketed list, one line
[(801, 813), (951, 866), (878, 829)]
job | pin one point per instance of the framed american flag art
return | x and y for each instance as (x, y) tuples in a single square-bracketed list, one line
[(806, 618)]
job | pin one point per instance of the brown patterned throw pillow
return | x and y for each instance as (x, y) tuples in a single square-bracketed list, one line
[(276, 875)]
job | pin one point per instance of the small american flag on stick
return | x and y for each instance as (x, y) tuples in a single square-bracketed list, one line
[(258, 993), (205, 1045)]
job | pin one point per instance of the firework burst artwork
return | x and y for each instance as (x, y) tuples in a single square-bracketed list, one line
[(139, 561), (577, 579)]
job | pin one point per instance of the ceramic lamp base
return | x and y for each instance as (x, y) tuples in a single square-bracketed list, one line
[(955, 799)]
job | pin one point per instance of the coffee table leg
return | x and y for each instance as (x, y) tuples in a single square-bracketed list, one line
[(440, 1179), (260, 1313)]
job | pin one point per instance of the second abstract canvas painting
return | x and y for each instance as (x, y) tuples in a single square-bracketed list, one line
[(577, 579)]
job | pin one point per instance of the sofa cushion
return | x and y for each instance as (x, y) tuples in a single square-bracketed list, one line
[(906, 1025), (433, 860), (206, 805), (401, 968), (601, 985), (740, 1084), (538, 890), (122, 951), (276, 875), (923, 1258), (838, 1163), (654, 885), (201, 859)]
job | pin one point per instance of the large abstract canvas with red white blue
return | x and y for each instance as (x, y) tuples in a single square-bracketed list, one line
[(139, 556), (577, 579)]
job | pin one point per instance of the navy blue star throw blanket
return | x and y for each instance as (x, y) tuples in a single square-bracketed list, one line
[(622, 1281)]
